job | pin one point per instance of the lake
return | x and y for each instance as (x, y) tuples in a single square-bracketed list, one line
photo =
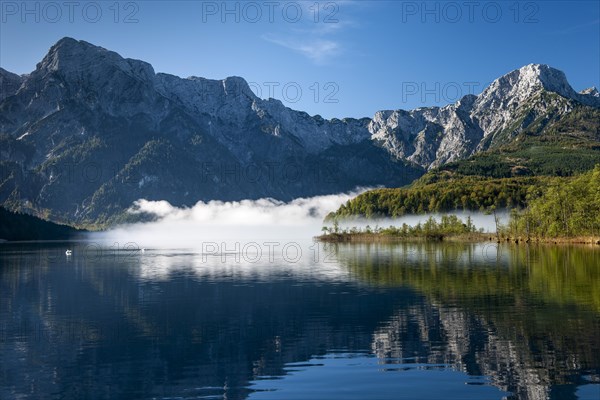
[(306, 321)]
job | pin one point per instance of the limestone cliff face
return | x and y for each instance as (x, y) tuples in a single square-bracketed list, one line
[(88, 132), (431, 137)]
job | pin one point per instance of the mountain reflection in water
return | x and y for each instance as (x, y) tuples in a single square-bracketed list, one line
[(361, 321)]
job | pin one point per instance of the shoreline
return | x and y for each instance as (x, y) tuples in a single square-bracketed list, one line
[(466, 238)]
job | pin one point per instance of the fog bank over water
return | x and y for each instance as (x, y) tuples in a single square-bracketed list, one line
[(263, 220), (217, 221)]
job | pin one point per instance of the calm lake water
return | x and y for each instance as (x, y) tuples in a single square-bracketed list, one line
[(414, 321)]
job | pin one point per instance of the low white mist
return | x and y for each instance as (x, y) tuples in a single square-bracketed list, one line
[(263, 220)]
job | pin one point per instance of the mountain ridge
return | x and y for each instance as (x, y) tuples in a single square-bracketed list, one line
[(161, 137)]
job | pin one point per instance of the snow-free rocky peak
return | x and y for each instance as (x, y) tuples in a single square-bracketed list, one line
[(433, 136), (591, 92), (524, 83), (159, 136), (77, 56)]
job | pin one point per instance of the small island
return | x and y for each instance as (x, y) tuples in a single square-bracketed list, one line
[(449, 227)]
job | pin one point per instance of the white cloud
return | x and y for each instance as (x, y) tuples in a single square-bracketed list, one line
[(317, 35), (317, 50)]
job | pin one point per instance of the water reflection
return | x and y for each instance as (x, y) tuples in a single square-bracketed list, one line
[(528, 316), (521, 322), (356, 376)]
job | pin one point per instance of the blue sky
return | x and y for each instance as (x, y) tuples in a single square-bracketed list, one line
[(333, 58)]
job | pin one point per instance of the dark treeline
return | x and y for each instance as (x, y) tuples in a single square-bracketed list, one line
[(16, 226), (464, 193)]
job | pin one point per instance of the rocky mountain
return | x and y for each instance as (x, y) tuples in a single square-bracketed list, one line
[(88, 132), (9, 83), (535, 95)]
